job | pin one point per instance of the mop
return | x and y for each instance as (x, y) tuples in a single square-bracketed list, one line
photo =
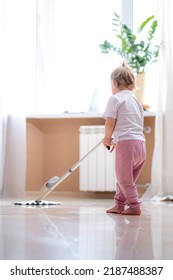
[(52, 183)]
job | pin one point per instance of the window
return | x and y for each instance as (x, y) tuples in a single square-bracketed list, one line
[(70, 66)]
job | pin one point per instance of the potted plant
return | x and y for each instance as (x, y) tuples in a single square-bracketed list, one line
[(138, 53)]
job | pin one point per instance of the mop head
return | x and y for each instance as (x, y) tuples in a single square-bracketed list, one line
[(37, 203), (45, 190)]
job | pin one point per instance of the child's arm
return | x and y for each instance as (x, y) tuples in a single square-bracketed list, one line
[(109, 128)]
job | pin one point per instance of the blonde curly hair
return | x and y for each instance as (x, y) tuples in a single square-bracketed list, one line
[(124, 76)]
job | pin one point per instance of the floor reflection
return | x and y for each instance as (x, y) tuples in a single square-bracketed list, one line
[(126, 235), (81, 229)]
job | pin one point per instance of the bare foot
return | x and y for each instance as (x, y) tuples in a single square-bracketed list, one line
[(114, 210), (131, 211)]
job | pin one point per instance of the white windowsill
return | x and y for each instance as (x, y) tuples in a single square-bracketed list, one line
[(76, 115)]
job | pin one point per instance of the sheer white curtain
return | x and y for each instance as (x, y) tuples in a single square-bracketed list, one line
[(70, 65), (54, 43), (17, 72), (162, 175)]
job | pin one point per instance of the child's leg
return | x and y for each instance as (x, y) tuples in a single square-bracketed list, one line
[(131, 155), (134, 210), (137, 170), (119, 198), (120, 201)]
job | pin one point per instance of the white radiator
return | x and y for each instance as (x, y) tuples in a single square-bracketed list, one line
[(97, 170)]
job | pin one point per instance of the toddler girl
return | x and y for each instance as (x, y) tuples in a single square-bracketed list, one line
[(124, 130)]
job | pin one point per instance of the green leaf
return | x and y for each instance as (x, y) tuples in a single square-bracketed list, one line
[(144, 23), (137, 53)]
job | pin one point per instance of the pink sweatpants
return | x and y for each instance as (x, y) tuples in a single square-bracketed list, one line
[(130, 157)]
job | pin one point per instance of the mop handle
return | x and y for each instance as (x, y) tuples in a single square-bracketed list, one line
[(52, 183), (74, 167)]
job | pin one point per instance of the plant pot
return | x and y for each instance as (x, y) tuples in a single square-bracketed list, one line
[(140, 86)]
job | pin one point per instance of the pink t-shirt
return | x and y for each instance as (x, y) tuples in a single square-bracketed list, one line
[(128, 112)]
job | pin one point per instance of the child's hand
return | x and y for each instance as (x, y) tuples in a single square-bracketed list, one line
[(107, 142)]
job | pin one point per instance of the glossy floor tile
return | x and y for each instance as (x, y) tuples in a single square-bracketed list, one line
[(79, 228)]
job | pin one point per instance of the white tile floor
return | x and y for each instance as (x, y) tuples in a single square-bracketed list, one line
[(80, 229)]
